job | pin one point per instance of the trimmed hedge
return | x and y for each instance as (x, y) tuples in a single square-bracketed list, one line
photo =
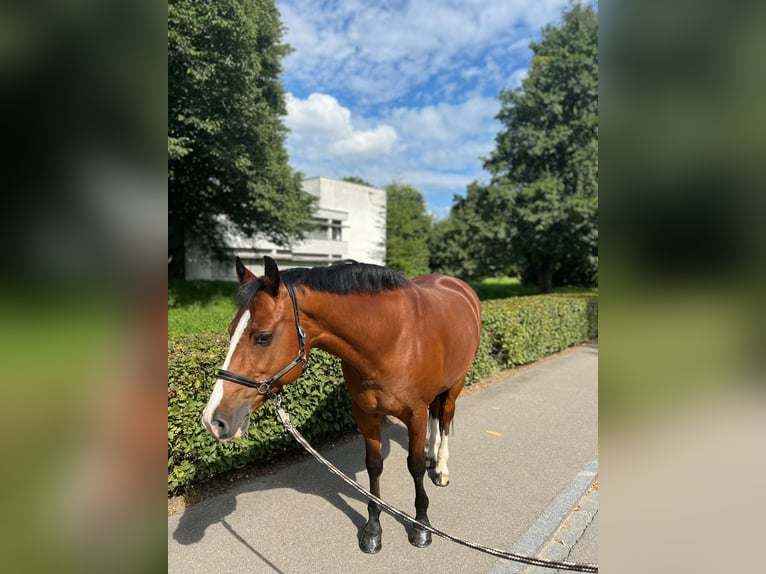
[(319, 405), (515, 331), (521, 330)]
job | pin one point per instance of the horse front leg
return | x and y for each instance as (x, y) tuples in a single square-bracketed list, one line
[(370, 539), (416, 463)]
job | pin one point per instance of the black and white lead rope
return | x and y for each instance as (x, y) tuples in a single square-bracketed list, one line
[(541, 562)]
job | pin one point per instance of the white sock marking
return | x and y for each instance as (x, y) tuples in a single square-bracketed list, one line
[(441, 460), (433, 438)]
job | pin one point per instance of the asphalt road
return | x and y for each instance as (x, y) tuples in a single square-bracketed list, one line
[(522, 453)]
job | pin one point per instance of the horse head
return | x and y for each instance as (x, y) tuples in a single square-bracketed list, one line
[(265, 337)]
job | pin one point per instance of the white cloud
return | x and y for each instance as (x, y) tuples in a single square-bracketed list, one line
[(321, 127), (516, 77), (448, 136), (381, 52), (436, 148), (419, 81), (318, 114), (368, 142), (436, 179)]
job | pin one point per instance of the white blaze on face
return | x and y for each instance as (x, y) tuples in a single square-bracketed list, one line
[(217, 395)]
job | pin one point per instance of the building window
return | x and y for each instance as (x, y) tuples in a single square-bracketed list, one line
[(336, 230), (327, 230), (321, 231)]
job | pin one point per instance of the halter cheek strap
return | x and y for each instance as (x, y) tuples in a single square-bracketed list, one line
[(264, 387)]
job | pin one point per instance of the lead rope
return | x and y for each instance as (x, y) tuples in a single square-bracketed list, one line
[(541, 562)]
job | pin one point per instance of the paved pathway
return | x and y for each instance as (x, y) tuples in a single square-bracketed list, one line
[(523, 451)]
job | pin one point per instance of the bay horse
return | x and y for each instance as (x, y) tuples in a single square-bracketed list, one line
[(405, 348)]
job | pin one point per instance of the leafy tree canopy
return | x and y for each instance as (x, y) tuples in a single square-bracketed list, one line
[(226, 154), (408, 227), (357, 179), (547, 153), (475, 240)]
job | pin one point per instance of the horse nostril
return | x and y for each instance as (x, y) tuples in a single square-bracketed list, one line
[(220, 425)]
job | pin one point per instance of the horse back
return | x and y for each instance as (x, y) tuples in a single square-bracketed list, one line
[(452, 292), (449, 313)]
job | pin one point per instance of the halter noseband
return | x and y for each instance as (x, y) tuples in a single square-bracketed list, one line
[(264, 387)]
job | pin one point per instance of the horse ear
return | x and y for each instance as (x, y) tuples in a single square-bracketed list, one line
[(243, 273), (270, 276)]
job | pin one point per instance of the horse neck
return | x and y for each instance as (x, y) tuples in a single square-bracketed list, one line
[(352, 327)]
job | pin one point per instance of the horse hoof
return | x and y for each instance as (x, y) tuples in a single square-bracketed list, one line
[(441, 479), (371, 543), (419, 538)]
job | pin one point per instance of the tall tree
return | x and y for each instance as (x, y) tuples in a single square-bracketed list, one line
[(475, 240), (227, 163), (547, 153), (408, 227)]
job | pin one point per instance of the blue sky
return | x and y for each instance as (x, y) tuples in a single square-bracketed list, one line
[(404, 90)]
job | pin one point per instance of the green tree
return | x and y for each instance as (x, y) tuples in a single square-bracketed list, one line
[(474, 240), (226, 153), (408, 227), (547, 154), (357, 179)]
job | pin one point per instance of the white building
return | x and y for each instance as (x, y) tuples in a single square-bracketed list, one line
[(352, 220)]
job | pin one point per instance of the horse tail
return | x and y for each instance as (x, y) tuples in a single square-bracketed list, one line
[(439, 415), (437, 412)]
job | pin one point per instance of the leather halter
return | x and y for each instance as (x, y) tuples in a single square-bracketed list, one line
[(264, 387)]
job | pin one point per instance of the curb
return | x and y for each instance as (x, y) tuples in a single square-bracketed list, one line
[(559, 547), (559, 527)]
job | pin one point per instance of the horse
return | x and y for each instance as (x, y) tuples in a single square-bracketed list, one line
[(405, 348)]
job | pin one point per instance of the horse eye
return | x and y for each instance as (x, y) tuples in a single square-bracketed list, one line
[(263, 338)]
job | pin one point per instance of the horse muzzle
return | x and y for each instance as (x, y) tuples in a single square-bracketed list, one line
[(225, 428)]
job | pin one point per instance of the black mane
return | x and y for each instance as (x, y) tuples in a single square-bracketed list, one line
[(342, 278)]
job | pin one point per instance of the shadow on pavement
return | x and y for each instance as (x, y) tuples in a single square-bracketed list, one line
[(313, 479)]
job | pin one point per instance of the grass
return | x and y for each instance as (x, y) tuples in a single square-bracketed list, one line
[(504, 287), (501, 288), (208, 306), (200, 306)]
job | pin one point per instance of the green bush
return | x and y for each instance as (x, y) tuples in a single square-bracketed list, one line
[(520, 330), (515, 331), (319, 405)]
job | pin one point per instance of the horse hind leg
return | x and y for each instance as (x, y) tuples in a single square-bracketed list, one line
[(447, 413), (434, 430)]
